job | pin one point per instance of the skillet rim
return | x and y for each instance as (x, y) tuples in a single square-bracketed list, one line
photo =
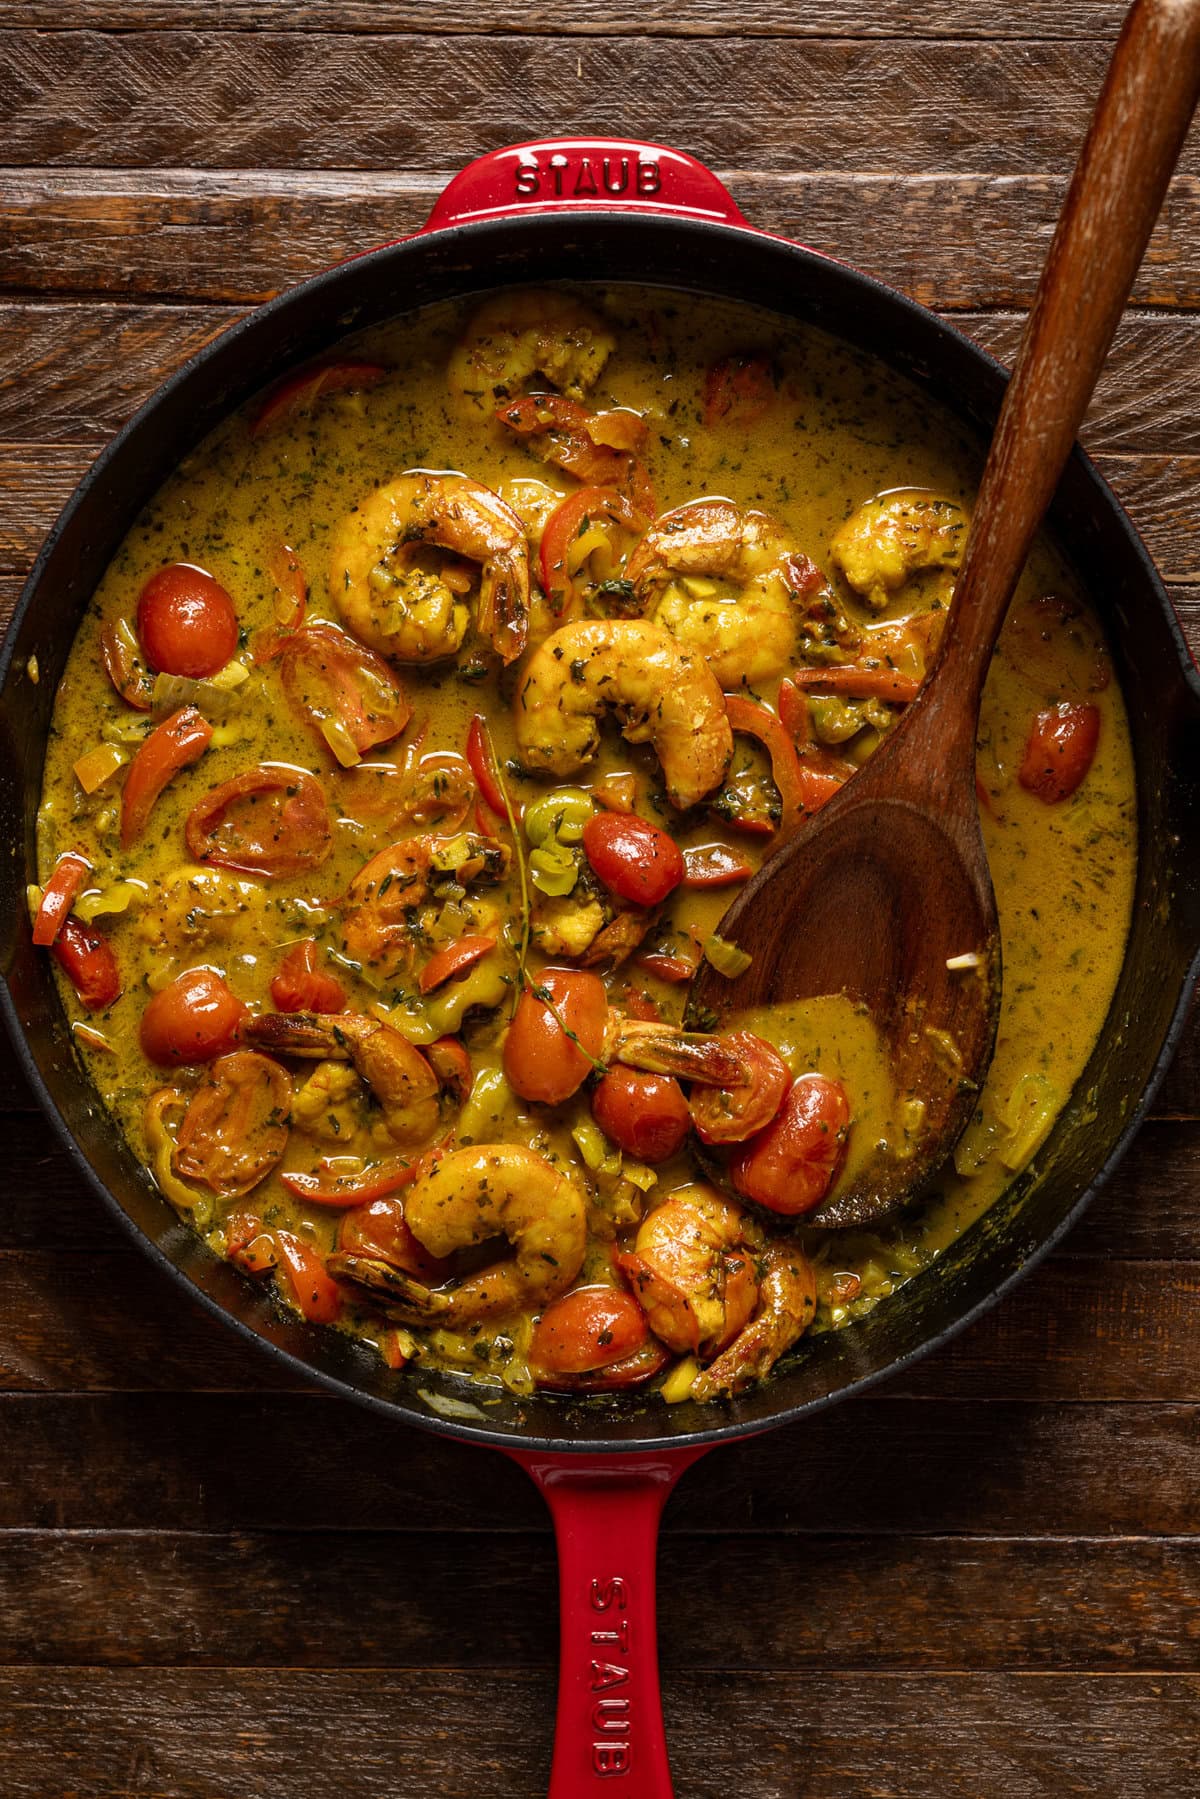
[(469, 276)]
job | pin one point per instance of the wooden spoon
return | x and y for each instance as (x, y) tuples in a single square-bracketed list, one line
[(881, 892)]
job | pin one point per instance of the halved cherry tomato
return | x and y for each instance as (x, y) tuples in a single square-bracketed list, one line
[(675, 969), (271, 820), (300, 393), (291, 587), (302, 985), (558, 430), (326, 675), (860, 683), (451, 963), (235, 1129), (58, 896), (739, 389), (306, 1280), (547, 1060), (379, 1230), (791, 1165), (570, 521), (247, 1244), (344, 1191), (1059, 753), (452, 1066), (633, 1371), (178, 742), (714, 865), (590, 1328), (731, 1114), (635, 859), (119, 649), (186, 622), (803, 786), (644, 1114), (195, 1018), (87, 960), (479, 756)]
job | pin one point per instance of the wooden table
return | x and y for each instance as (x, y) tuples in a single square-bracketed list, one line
[(982, 1580)]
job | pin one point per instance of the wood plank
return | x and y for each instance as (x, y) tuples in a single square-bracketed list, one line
[(1079, 1330), (80, 99), (698, 18), (242, 1733), (1149, 1211), (239, 236), (332, 1599), (880, 1467)]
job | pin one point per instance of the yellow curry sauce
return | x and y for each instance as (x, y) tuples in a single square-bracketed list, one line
[(695, 402)]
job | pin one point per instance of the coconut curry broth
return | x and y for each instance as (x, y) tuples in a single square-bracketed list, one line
[(693, 400)]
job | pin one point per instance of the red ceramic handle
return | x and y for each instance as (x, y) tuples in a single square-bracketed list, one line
[(578, 174), (608, 1736)]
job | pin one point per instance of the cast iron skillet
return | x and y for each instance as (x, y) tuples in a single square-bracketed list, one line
[(577, 210)]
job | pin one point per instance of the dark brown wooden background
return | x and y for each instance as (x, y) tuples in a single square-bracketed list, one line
[(980, 1581)]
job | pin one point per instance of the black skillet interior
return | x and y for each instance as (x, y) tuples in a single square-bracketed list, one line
[(1164, 704)]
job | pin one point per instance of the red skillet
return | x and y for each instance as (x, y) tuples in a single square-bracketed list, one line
[(580, 210)]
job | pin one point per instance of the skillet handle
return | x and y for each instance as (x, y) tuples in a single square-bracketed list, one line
[(608, 1735), (583, 174)]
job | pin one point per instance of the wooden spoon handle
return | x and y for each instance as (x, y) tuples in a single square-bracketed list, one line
[(1131, 149)]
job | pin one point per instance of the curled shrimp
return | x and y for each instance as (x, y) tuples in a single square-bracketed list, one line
[(787, 1303), (896, 536), (411, 612), (406, 1087), (471, 1196), (530, 331), (715, 577), (693, 1269), (662, 693), (381, 919)]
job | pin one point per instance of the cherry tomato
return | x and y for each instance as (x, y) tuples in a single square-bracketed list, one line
[(731, 1114), (120, 652), (790, 1166), (271, 820), (739, 389), (235, 1129), (635, 859), (559, 430), (302, 985), (58, 896), (569, 520), (453, 962), (590, 1328), (186, 622), (714, 865), (178, 742), (378, 1230), (327, 676), (298, 394), (541, 1060), (87, 960), (193, 1019), (343, 1191), (633, 1371), (645, 1114), (1059, 753), (306, 1280)]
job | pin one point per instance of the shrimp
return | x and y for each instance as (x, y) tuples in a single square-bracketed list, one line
[(414, 613), (693, 1269), (532, 331), (381, 924), (896, 536), (787, 1303), (471, 1196), (662, 693), (399, 1076)]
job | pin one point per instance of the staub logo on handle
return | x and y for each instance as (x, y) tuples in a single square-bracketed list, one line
[(610, 1680), (582, 177)]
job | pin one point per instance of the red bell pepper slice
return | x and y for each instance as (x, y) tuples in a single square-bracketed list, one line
[(178, 742), (58, 896)]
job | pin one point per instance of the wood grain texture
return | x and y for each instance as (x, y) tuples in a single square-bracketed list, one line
[(80, 99), (956, 241), (242, 1733)]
